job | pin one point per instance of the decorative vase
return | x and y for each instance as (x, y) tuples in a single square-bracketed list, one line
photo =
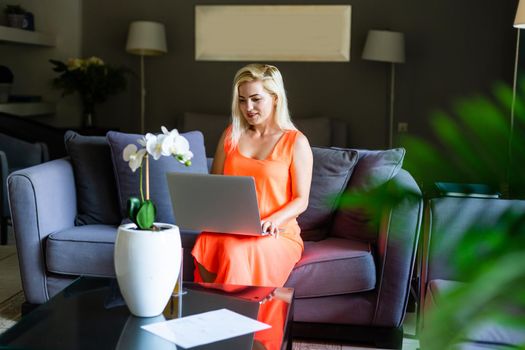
[(147, 265), (88, 115), (88, 120)]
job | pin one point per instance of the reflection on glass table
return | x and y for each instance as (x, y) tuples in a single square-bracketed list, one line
[(91, 314)]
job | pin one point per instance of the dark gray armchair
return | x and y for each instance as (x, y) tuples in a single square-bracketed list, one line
[(447, 221), (15, 154)]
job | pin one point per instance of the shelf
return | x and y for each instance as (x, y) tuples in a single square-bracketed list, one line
[(27, 109), (21, 36)]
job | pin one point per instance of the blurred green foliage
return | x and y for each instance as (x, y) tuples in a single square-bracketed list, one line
[(474, 144)]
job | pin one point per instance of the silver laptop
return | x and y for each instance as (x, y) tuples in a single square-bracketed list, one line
[(215, 203)]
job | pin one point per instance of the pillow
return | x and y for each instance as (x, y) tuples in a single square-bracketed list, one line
[(211, 126), (97, 201), (128, 181), (373, 169), (332, 169)]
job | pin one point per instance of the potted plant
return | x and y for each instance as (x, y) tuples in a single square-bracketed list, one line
[(93, 79), (148, 254), (15, 15)]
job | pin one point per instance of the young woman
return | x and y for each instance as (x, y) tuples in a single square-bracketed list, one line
[(261, 142)]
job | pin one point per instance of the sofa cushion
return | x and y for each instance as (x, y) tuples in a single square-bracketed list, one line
[(491, 332), (332, 168), (333, 266), (373, 169), (97, 200), (128, 181), (82, 250)]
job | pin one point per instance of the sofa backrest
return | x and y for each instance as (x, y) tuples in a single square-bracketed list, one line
[(336, 170), (448, 220), (373, 171)]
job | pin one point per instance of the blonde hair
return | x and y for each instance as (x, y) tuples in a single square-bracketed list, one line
[(273, 84)]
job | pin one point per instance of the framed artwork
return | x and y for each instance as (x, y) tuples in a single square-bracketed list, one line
[(272, 33)]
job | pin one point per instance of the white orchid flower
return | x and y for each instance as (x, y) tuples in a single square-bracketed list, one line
[(185, 158), (134, 157), (180, 146), (142, 141), (154, 145), (165, 130), (176, 145)]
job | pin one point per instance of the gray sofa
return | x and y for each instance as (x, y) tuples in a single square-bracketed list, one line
[(352, 283), (447, 220)]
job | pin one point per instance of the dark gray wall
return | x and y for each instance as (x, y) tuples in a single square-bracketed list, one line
[(454, 48)]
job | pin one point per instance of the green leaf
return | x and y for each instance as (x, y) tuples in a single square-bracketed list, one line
[(146, 215), (133, 207)]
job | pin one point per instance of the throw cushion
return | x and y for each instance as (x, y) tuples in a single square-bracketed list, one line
[(128, 181), (373, 169), (97, 201), (332, 169)]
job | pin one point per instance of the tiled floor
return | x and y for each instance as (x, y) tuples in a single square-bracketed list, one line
[(11, 297)]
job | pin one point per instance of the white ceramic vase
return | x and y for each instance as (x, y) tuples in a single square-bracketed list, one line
[(147, 265)]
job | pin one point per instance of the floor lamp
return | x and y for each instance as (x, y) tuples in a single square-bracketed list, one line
[(145, 39), (519, 23), (386, 46)]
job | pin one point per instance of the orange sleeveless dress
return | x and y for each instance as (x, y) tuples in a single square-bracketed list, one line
[(258, 261), (248, 260)]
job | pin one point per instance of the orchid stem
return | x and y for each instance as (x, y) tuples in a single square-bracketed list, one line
[(147, 177), (140, 185)]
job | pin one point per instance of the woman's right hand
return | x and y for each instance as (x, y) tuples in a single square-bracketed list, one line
[(270, 227)]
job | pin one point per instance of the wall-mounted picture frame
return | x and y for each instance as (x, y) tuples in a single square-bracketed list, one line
[(316, 33)]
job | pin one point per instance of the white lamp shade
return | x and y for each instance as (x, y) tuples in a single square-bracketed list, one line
[(146, 38), (384, 46), (519, 20)]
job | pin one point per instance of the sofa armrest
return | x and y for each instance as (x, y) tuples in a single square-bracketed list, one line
[(396, 252), (42, 200)]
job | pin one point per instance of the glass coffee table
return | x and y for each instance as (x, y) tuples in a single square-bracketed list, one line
[(91, 314)]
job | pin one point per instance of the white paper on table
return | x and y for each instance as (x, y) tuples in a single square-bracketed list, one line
[(205, 328)]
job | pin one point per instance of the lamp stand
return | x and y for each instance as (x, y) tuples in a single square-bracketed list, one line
[(391, 112), (142, 95), (506, 189)]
